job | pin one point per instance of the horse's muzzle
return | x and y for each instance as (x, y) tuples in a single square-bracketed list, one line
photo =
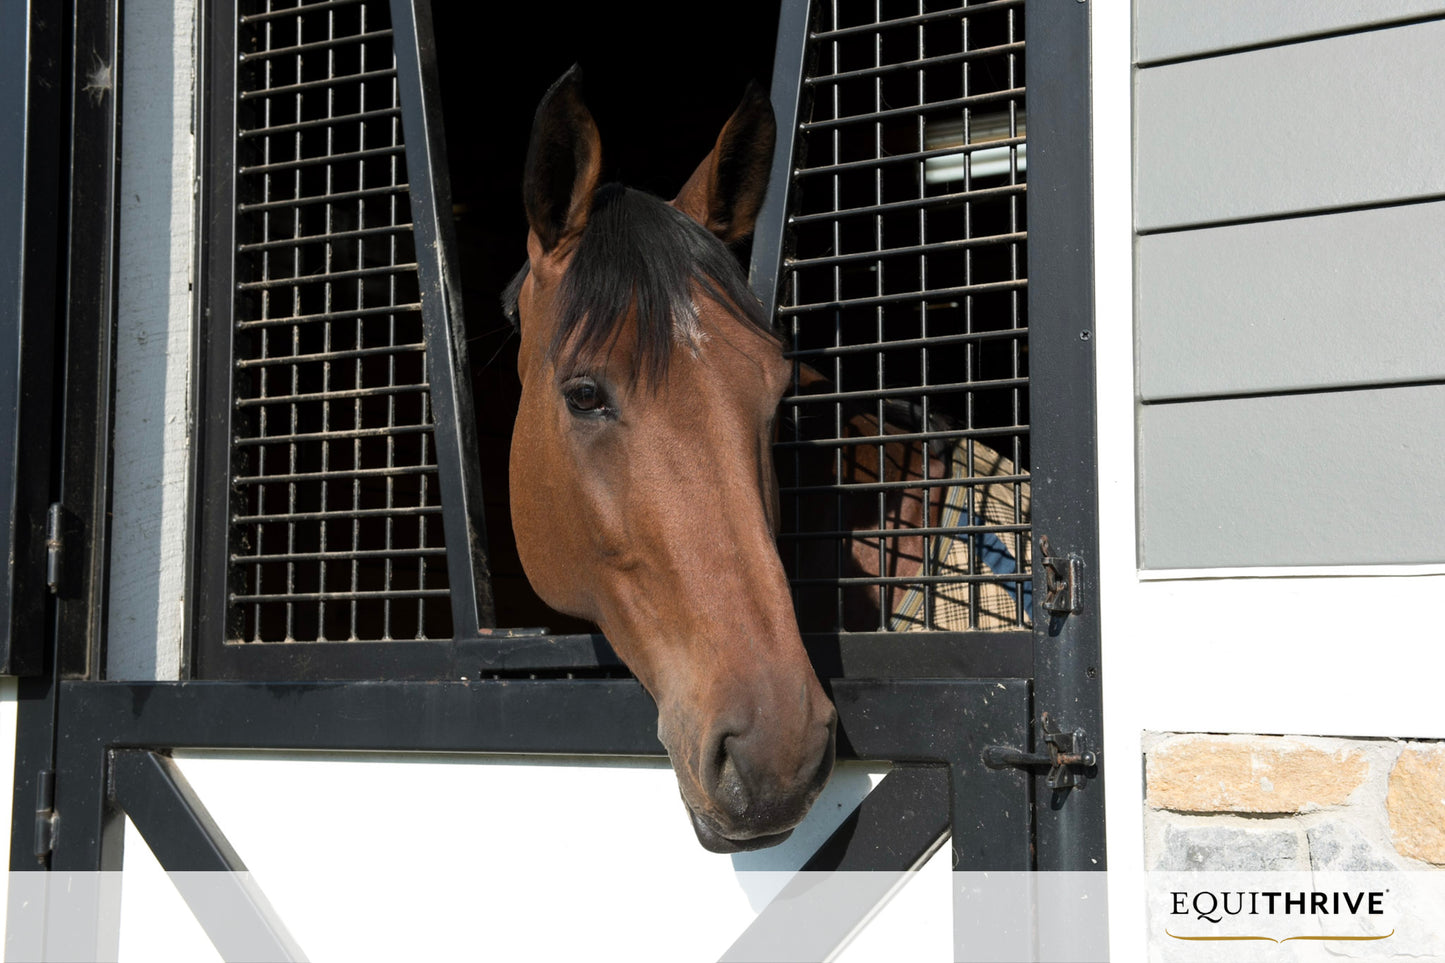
[(752, 802), (714, 841)]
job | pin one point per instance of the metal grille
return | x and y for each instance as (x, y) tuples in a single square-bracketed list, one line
[(336, 529), (905, 287)]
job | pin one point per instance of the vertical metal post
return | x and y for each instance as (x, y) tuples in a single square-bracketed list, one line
[(1066, 647), (31, 136), (786, 96), (1069, 823), (447, 371), (82, 915)]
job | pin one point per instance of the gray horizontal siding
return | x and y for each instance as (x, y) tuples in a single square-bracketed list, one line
[(1167, 29), (1343, 478), (1340, 122), (1301, 304)]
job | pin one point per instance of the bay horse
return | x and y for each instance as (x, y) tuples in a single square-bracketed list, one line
[(643, 494)]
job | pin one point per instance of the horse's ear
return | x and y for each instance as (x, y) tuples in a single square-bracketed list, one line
[(564, 160), (726, 191)]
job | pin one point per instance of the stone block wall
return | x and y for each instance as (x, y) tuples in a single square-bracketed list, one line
[(1263, 803)]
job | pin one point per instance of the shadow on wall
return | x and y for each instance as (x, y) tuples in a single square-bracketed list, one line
[(153, 334)]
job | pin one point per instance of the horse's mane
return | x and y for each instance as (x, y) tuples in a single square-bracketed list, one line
[(637, 251)]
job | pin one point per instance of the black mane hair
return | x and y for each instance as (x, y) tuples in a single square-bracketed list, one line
[(639, 252)]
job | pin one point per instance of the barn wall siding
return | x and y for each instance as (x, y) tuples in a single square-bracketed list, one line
[(1171, 29), (1288, 293), (1342, 122), (1336, 478), (1293, 305)]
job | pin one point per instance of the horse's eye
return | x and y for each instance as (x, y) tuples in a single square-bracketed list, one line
[(584, 397)]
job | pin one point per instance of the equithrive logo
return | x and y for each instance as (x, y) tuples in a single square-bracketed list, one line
[(1197, 915)]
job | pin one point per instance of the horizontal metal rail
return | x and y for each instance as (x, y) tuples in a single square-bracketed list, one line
[(907, 437), (931, 341), (935, 200), (849, 581), (330, 43), (336, 514), (386, 310), (360, 193), (874, 394), (337, 121), (369, 153), (305, 85), (960, 290), (953, 103), (330, 237), (890, 486), (286, 282), (298, 10), (900, 66), (332, 395), (346, 596), (932, 153), (385, 431), (345, 354), (400, 471), (899, 533), (337, 556), (949, 14), (912, 250)]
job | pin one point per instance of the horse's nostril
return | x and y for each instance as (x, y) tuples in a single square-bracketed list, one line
[(732, 789)]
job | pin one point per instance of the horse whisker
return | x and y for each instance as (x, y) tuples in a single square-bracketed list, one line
[(509, 337)]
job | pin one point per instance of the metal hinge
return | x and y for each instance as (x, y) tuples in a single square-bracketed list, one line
[(44, 814), (1062, 580), (54, 546), (1067, 757)]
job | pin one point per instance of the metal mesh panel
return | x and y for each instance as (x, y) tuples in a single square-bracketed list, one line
[(905, 288), (336, 528)]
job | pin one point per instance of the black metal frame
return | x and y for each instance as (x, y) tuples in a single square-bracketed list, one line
[(115, 737), (95, 750), (452, 424), (1069, 827), (1061, 656), (31, 210), (899, 289)]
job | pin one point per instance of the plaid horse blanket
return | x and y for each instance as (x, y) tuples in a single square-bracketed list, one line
[(985, 560)]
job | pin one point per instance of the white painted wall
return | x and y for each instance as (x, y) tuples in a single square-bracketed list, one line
[(1321, 651), (368, 857), (150, 508)]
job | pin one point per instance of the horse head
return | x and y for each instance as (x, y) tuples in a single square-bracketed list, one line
[(643, 492)]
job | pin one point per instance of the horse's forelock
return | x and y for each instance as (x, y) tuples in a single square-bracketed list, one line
[(639, 255)]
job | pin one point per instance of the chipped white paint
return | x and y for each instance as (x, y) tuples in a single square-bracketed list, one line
[(153, 341)]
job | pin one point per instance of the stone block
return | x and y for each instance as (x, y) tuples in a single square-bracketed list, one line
[(1337, 846), (1232, 849), (1250, 774), (1416, 804)]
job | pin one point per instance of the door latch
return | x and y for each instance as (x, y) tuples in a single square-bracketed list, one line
[(1067, 757), (1061, 581)]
